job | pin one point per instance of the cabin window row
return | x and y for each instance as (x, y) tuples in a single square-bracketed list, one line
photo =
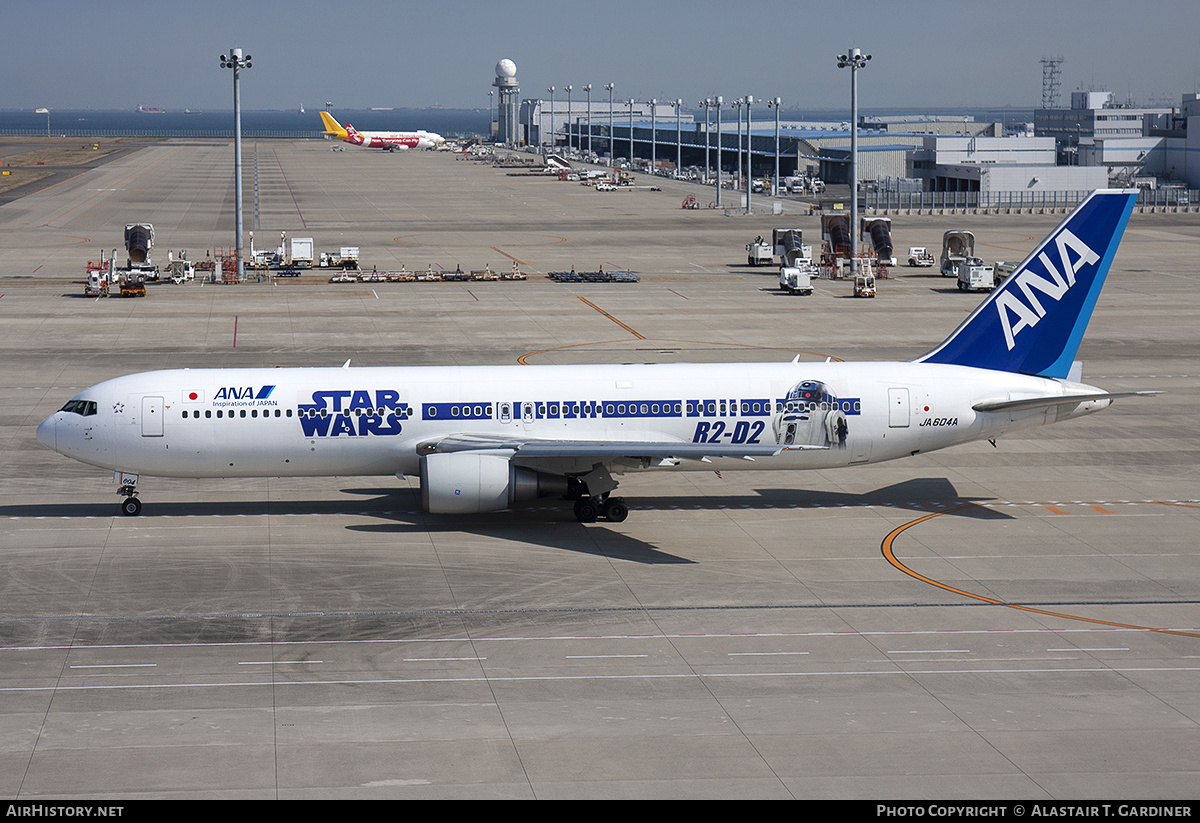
[(382, 411), (237, 413), (693, 408), (484, 412), (269, 413)]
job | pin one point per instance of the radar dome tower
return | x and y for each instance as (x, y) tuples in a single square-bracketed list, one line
[(506, 112)]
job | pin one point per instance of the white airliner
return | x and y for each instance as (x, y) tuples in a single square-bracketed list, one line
[(482, 438), (386, 140)]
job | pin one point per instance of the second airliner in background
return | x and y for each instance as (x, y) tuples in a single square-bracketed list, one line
[(386, 140)]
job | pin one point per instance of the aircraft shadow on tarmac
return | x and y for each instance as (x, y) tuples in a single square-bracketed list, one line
[(931, 495), (550, 522), (553, 532)]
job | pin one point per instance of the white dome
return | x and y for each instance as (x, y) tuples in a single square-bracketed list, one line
[(506, 68)]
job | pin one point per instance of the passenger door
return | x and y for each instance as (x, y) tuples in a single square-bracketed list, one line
[(152, 417), (898, 408)]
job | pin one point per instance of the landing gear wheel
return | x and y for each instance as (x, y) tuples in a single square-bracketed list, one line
[(131, 507), (586, 510), (615, 510)]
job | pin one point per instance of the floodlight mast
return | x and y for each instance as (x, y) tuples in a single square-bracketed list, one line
[(749, 99), (855, 60), (234, 60), (775, 104), (678, 136), (611, 156), (631, 132), (569, 123), (653, 129), (737, 104), (588, 89), (718, 102)]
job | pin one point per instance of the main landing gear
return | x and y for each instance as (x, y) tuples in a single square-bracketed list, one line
[(589, 506), (591, 509)]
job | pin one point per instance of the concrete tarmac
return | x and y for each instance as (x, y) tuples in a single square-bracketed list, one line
[(753, 634)]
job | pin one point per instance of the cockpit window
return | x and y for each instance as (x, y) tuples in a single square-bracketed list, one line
[(86, 408)]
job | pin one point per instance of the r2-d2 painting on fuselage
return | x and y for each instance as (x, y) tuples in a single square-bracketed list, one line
[(811, 416)]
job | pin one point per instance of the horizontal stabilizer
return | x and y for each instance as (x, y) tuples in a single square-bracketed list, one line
[(1060, 400)]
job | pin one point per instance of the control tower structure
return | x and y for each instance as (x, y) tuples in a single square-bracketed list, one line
[(507, 125)]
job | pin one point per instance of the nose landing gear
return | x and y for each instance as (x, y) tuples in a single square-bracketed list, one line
[(130, 506)]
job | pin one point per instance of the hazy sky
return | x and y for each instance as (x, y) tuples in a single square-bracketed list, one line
[(115, 54)]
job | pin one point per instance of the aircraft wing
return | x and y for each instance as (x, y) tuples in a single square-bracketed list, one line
[(603, 449), (1058, 400)]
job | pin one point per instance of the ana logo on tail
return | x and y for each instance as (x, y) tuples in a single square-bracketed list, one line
[(1028, 313), (1033, 323)]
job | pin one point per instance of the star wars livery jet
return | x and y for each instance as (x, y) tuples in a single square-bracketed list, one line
[(484, 438), (386, 140)]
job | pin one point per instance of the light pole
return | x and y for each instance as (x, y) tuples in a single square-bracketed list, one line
[(720, 101), (631, 132), (678, 136), (775, 105), (610, 88), (653, 136), (551, 90), (588, 89), (749, 152), (235, 61), (706, 103), (856, 60), (568, 88), (490, 95), (738, 105)]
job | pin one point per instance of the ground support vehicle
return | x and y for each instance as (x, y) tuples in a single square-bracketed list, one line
[(798, 279), (864, 284), (920, 257), (975, 275), (759, 253)]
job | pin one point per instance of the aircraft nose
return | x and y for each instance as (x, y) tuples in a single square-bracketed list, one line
[(47, 433)]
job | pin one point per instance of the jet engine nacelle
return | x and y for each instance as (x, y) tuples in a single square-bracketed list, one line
[(473, 482)]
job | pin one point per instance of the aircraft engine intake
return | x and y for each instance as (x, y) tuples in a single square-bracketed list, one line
[(473, 482)]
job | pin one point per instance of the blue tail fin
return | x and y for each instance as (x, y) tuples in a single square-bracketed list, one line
[(1034, 321)]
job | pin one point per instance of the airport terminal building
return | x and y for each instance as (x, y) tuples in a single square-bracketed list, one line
[(1064, 153)]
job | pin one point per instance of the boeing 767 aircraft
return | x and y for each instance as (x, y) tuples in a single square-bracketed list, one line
[(386, 140), (483, 438)]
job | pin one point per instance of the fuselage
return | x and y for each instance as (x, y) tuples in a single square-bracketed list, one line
[(393, 139), (390, 140), (371, 421)]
